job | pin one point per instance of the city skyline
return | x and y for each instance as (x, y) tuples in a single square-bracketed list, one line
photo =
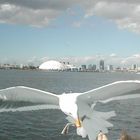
[(75, 31), (93, 66), (53, 65)]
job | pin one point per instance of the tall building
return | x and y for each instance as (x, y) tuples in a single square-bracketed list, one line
[(101, 65), (94, 67), (109, 67), (90, 67), (83, 68), (134, 67)]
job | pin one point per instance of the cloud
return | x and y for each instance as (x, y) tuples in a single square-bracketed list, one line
[(111, 59), (113, 55), (41, 13), (125, 13), (134, 59), (42, 4), (77, 24), (15, 14)]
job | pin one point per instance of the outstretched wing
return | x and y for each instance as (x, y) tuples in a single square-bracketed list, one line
[(94, 121), (22, 98), (109, 91)]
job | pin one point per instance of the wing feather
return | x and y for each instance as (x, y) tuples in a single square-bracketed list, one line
[(123, 97), (22, 98), (95, 121), (29, 108), (111, 90)]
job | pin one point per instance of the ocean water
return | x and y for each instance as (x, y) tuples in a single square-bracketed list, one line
[(48, 124)]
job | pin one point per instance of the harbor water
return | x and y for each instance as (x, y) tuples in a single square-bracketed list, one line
[(48, 124)]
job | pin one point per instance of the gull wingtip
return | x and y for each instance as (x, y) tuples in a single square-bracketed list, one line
[(127, 81)]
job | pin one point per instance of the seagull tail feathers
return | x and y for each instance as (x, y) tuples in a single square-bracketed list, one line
[(99, 121)]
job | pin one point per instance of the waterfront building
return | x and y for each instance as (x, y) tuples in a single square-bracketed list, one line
[(83, 68), (134, 67), (90, 67), (101, 65), (109, 67), (52, 65), (94, 67)]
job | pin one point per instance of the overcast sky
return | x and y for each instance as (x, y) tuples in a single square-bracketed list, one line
[(79, 31)]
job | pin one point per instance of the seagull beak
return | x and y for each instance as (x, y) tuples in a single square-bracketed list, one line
[(78, 123)]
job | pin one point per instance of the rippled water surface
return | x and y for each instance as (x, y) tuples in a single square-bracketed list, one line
[(47, 125)]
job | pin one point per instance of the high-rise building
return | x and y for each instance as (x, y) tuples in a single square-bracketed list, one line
[(90, 67), (83, 68), (94, 67), (134, 67), (109, 67), (101, 65)]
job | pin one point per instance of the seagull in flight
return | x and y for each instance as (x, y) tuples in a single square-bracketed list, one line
[(79, 107)]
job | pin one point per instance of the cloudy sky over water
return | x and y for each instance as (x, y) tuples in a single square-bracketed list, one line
[(79, 31)]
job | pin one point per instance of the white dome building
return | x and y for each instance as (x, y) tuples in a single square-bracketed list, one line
[(52, 66)]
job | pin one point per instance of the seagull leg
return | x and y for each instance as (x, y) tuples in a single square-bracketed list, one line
[(66, 128)]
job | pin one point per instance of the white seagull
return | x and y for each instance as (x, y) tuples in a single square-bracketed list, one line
[(79, 107)]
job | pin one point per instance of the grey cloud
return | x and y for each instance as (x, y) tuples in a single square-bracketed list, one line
[(34, 12), (125, 13), (37, 13), (110, 10), (41, 4), (10, 13)]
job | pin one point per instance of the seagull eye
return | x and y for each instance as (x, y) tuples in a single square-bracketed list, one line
[(70, 113)]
